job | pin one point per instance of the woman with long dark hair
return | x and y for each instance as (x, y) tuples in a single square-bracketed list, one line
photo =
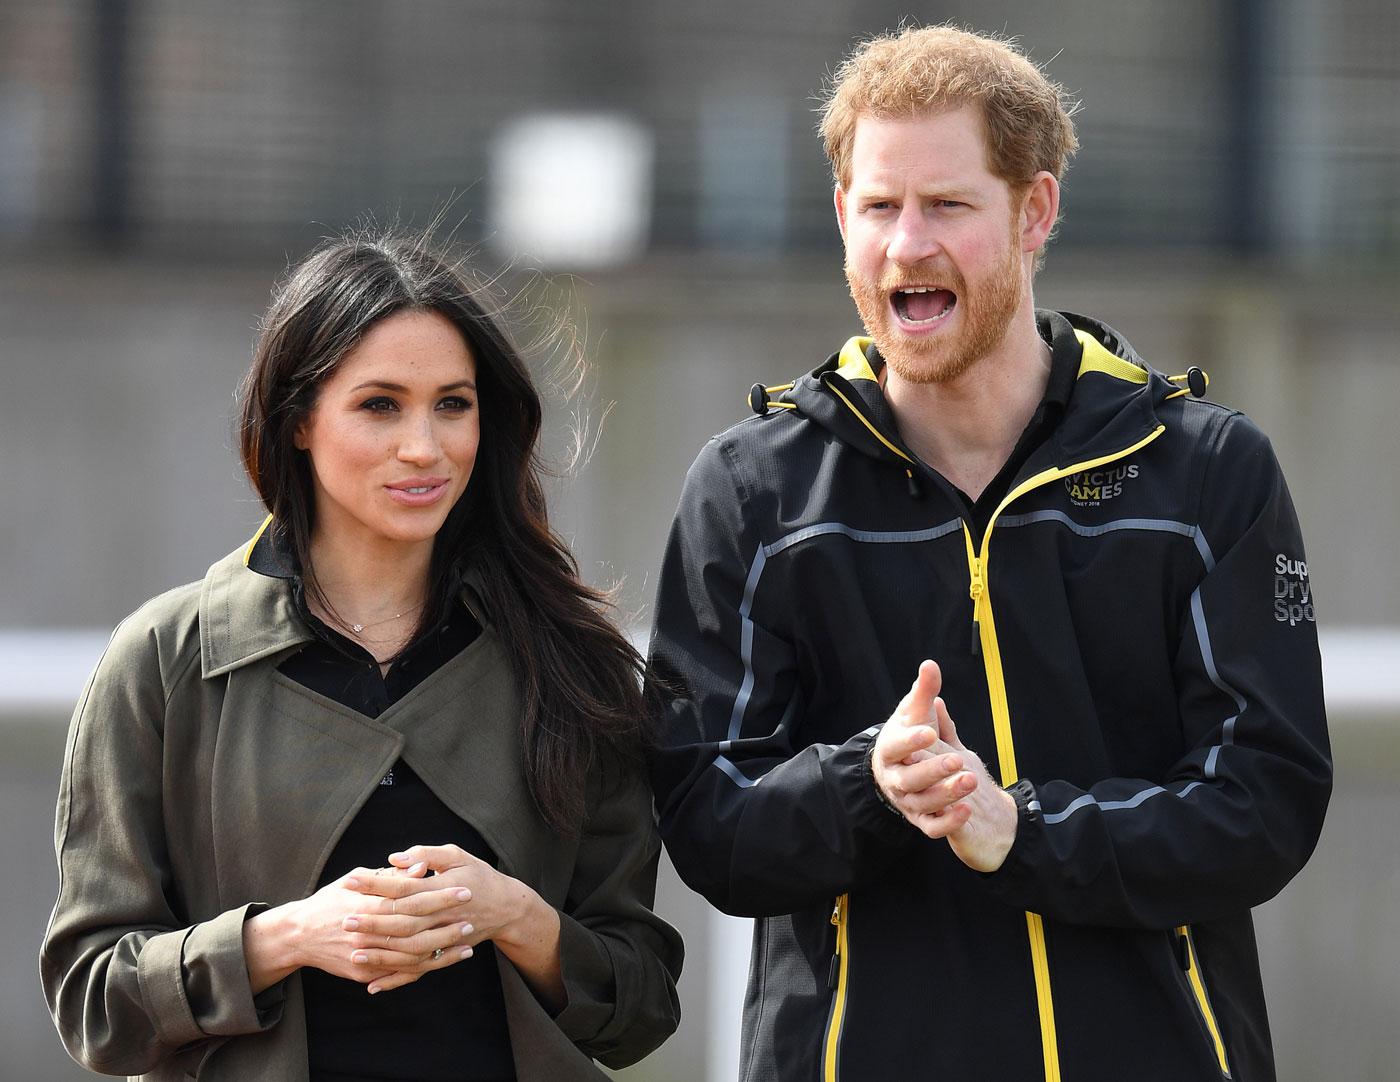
[(367, 802)]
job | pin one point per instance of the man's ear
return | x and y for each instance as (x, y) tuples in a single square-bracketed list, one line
[(840, 200), (1040, 206)]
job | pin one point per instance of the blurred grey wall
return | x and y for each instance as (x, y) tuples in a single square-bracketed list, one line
[(1236, 205)]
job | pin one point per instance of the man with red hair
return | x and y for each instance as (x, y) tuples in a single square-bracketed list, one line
[(1041, 864)]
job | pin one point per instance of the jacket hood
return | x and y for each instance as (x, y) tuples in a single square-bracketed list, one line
[(1112, 405)]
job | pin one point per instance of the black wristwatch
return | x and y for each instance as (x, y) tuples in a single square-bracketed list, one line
[(1027, 803)]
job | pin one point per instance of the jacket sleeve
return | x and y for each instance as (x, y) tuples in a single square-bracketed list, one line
[(619, 960), (128, 980), (1238, 814), (755, 818)]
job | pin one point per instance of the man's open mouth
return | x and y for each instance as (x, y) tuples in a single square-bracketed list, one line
[(923, 304)]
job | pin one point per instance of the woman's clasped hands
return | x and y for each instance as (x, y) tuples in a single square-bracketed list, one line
[(386, 927), (426, 912)]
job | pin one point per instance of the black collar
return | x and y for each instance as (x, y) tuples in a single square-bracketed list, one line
[(1065, 355), (270, 553)]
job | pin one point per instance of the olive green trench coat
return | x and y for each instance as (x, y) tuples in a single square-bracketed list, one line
[(200, 785)]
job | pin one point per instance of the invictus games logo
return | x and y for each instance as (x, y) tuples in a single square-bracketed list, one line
[(1293, 601), (1093, 487)]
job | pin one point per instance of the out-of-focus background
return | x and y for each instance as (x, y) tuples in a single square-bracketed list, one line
[(1236, 205)]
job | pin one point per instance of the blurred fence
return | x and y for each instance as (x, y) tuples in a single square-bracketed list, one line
[(198, 127)]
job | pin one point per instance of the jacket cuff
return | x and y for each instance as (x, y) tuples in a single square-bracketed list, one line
[(195, 982), (162, 983), (587, 972), (1014, 881), (868, 806)]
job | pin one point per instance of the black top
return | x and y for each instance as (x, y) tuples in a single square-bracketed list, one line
[(450, 1025)]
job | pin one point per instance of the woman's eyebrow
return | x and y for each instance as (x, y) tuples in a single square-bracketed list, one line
[(385, 385)]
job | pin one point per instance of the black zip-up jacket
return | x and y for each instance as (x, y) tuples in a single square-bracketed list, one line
[(1133, 633)]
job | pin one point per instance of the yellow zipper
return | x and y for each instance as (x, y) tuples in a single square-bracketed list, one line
[(1198, 988), (840, 913), (985, 638)]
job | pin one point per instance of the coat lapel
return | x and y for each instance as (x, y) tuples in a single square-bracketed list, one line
[(461, 730)]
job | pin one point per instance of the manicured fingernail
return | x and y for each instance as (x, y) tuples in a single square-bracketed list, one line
[(352, 884), (465, 930), (373, 990), (360, 958), (395, 857), (464, 895), (350, 924), (417, 868), (466, 953)]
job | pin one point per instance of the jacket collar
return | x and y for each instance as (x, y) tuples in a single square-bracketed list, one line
[(244, 614), (1111, 401), (248, 607), (1115, 399)]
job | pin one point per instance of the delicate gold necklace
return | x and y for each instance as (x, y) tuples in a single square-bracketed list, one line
[(358, 628)]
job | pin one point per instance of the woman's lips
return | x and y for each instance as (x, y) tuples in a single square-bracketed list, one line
[(417, 491)]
